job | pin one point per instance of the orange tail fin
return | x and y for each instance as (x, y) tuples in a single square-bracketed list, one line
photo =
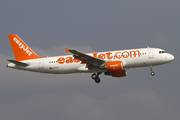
[(21, 50)]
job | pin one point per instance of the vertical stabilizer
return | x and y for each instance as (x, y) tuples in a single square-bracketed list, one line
[(21, 50)]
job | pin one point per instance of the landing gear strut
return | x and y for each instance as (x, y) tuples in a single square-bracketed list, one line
[(152, 73), (96, 77)]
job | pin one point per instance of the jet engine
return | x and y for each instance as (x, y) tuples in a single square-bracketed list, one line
[(117, 73), (113, 66)]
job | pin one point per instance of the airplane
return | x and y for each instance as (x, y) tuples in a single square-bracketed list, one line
[(112, 63)]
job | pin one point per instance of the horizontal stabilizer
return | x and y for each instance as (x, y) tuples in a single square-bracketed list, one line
[(18, 63)]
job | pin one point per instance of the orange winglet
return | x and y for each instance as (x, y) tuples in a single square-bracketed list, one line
[(67, 49)]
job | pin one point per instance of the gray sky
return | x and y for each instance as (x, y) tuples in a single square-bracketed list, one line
[(93, 25)]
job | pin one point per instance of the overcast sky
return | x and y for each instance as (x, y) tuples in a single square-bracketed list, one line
[(90, 25)]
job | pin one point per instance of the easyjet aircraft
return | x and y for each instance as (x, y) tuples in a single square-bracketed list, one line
[(113, 63)]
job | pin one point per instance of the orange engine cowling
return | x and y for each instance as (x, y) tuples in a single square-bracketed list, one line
[(114, 66), (117, 73)]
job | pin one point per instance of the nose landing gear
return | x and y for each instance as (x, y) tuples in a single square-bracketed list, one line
[(152, 73), (96, 77)]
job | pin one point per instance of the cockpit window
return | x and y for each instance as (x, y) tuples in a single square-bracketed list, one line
[(160, 52)]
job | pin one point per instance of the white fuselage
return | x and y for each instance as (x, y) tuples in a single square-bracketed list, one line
[(67, 64)]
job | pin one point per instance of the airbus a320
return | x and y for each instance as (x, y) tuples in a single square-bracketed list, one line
[(112, 63)]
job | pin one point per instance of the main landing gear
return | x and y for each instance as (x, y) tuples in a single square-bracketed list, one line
[(96, 77), (152, 73)]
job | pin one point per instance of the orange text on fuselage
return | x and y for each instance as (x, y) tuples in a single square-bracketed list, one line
[(108, 56)]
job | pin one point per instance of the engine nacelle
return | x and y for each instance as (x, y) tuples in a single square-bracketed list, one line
[(117, 73), (114, 66)]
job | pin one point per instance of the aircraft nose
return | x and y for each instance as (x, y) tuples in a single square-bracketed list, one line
[(171, 57)]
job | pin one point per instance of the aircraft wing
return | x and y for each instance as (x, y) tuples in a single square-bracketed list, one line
[(86, 59)]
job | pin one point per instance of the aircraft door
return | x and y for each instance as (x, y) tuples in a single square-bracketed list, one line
[(150, 53), (41, 65)]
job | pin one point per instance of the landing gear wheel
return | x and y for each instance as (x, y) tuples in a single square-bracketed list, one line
[(97, 80), (93, 76), (152, 73)]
